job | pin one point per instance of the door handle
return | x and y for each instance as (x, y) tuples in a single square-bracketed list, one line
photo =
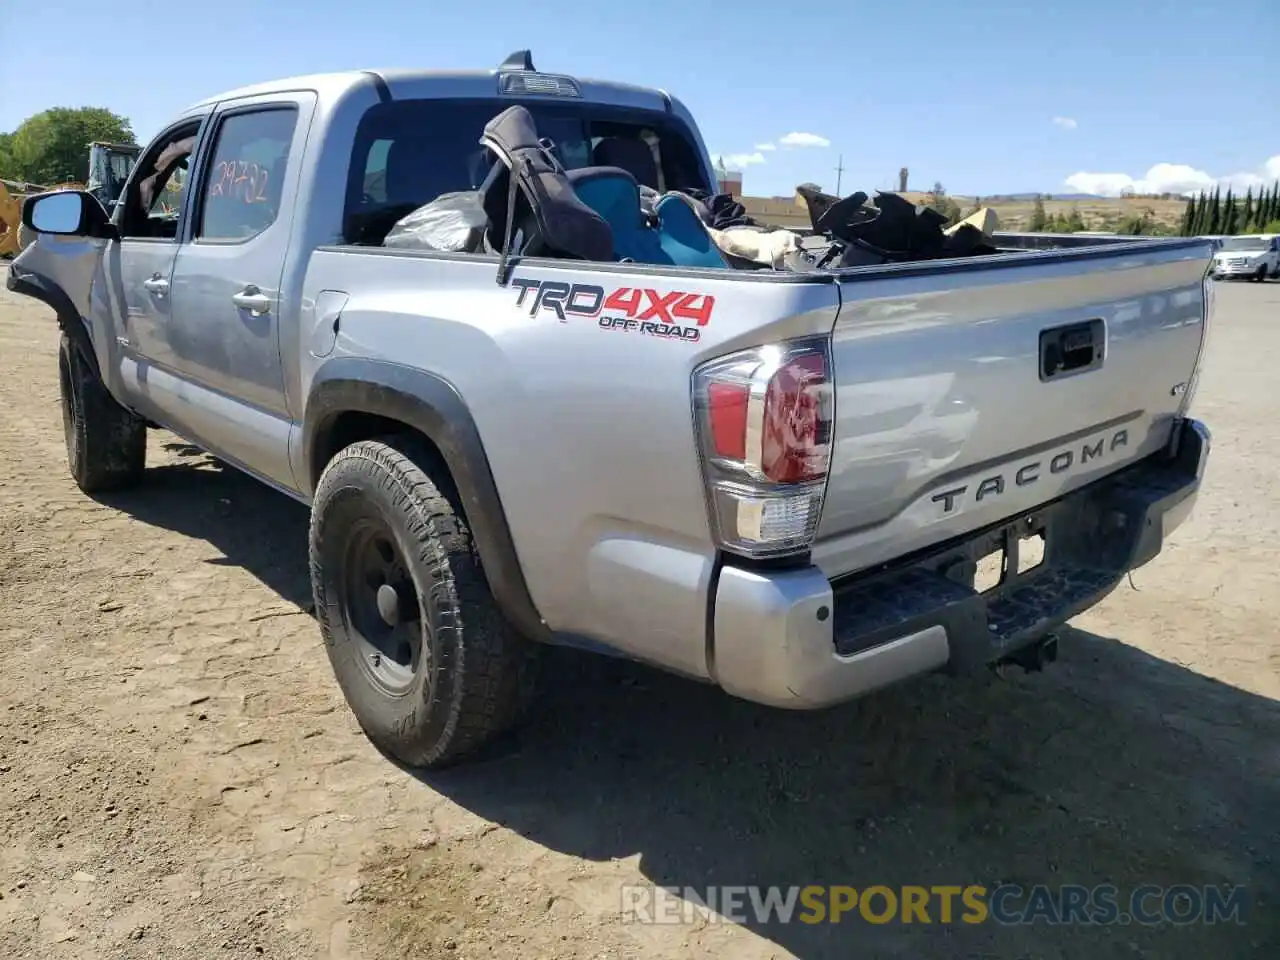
[(252, 299), (157, 285)]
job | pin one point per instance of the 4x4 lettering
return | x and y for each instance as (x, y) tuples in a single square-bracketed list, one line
[(659, 305), (625, 300), (686, 309)]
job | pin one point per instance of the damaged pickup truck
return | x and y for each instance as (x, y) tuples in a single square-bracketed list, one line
[(581, 418)]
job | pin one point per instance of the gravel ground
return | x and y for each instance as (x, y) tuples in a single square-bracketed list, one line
[(179, 777)]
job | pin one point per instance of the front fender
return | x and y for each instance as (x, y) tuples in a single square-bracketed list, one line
[(30, 284), (432, 406)]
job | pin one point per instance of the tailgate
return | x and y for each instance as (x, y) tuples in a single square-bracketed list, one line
[(972, 391)]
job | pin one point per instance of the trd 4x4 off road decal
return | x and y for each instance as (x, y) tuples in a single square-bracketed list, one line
[(673, 316)]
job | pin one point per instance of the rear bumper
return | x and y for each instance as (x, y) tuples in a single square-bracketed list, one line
[(794, 639)]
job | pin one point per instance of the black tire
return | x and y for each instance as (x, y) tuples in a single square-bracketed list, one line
[(1261, 275), (106, 444), (431, 670)]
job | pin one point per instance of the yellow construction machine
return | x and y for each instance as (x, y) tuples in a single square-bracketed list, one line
[(109, 168)]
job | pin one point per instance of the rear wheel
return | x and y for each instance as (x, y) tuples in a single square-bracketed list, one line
[(106, 444), (428, 665)]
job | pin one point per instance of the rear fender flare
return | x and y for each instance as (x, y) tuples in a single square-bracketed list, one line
[(432, 406)]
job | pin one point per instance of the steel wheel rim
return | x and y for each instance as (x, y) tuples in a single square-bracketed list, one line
[(382, 607)]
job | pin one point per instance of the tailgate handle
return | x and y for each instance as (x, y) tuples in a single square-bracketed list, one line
[(1072, 349)]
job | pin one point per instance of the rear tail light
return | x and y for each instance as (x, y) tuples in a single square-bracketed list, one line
[(764, 419)]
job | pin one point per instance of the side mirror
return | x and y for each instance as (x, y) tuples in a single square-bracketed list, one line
[(67, 213)]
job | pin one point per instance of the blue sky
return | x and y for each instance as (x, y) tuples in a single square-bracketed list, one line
[(986, 96)]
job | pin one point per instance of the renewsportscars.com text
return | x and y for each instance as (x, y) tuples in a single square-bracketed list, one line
[(1007, 904)]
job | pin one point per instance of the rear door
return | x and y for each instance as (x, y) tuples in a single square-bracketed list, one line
[(223, 333), (967, 394)]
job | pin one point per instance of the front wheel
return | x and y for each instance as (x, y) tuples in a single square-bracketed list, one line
[(106, 444), (428, 665), (1261, 275)]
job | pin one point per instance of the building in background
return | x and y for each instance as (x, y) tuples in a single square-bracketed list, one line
[(728, 181)]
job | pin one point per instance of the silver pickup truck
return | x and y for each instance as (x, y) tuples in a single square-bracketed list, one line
[(787, 484)]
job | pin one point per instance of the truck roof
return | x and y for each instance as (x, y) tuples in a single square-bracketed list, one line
[(455, 83)]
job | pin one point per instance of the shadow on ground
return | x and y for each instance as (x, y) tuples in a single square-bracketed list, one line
[(253, 526), (1111, 767)]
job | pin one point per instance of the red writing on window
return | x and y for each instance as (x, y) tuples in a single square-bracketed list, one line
[(239, 180)]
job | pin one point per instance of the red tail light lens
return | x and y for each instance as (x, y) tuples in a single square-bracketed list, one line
[(727, 412), (794, 442), (765, 421)]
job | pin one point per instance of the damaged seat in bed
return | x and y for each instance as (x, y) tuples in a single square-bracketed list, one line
[(537, 208), (531, 206), (671, 233)]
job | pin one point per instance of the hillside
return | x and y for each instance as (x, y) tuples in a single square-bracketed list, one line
[(1098, 213)]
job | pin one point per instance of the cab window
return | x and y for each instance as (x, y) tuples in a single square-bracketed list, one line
[(153, 202)]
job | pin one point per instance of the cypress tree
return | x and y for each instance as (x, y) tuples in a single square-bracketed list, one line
[(1201, 225), (1215, 211), (1273, 205), (1229, 224), (1188, 217), (1246, 218)]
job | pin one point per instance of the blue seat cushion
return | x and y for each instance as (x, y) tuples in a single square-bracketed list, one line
[(678, 238), (684, 237)]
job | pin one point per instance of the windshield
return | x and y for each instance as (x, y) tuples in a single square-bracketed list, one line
[(1245, 243)]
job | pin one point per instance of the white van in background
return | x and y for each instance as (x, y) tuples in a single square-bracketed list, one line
[(1255, 256)]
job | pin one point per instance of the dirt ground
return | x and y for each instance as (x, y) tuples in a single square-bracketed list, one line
[(179, 777)]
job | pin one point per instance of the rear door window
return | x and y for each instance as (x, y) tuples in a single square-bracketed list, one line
[(245, 174)]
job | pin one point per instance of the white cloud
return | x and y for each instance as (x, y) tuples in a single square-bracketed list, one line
[(765, 146), (1172, 178), (737, 161), (1066, 123), (804, 140)]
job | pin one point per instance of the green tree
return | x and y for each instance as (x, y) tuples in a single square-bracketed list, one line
[(1230, 222), (1039, 219), (1215, 212), (6, 158), (53, 147), (1189, 218), (1137, 224), (1246, 218)]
